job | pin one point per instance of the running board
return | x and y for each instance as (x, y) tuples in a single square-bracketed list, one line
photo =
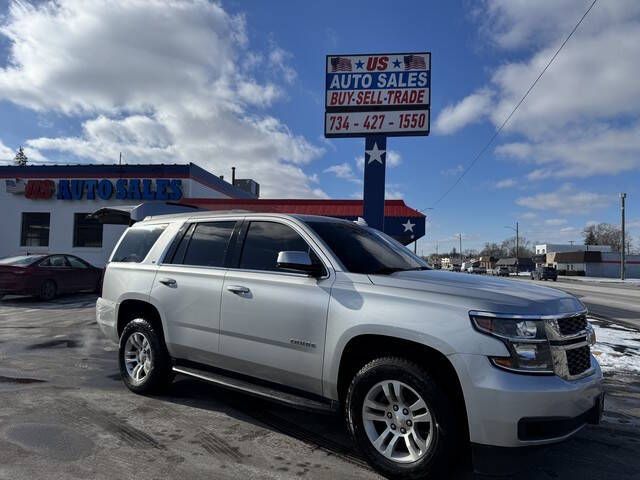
[(261, 391)]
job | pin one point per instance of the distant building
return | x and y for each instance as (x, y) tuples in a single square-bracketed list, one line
[(447, 263), (488, 262), (565, 247), (593, 264), (524, 264)]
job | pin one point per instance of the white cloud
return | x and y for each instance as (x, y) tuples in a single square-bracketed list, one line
[(343, 171), (582, 118), (566, 200), (601, 150), (160, 81), (6, 154), (453, 171), (505, 183), (514, 24), (470, 109), (554, 222), (529, 216), (278, 61)]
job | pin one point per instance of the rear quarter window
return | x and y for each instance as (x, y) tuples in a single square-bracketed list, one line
[(137, 242)]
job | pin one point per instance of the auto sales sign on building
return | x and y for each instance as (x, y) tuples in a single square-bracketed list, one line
[(383, 94)]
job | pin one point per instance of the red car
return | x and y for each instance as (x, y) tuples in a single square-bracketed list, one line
[(47, 275)]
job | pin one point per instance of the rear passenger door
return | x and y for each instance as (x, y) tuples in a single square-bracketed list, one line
[(56, 268), (188, 287), (274, 321)]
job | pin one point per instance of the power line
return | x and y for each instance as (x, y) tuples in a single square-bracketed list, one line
[(506, 120)]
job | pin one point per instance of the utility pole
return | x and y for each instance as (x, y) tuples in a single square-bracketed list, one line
[(517, 247), (623, 197)]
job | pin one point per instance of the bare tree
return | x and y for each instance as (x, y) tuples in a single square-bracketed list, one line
[(524, 247), (605, 234)]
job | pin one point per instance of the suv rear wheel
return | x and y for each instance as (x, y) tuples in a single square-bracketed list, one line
[(145, 364), (400, 419)]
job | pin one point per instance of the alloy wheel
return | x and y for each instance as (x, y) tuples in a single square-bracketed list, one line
[(137, 357), (397, 421)]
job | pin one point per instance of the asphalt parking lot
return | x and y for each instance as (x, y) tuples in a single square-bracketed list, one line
[(65, 414)]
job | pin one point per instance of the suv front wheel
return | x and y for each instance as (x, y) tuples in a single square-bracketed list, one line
[(400, 419), (145, 364)]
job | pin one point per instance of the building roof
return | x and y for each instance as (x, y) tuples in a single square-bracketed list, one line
[(330, 208), (161, 170), (511, 262)]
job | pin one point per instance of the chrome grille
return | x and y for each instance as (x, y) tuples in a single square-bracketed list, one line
[(572, 325), (578, 360)]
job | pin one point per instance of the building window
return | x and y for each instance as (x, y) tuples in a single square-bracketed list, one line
[(35, 229), (87, 232)]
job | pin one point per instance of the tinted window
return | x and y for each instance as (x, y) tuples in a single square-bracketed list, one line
[(265, 240), (136, 243), (76, 262), (87, 232), (207, 245), (363, 250), (35, 229), (55, 261)]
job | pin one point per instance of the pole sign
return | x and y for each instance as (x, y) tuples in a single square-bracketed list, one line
[(381, 94)]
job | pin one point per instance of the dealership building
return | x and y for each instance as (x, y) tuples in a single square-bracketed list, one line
[(46, 209)]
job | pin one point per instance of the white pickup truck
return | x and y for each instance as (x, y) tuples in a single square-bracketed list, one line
[(326, 314)]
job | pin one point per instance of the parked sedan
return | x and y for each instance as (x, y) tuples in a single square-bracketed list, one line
[(47, 275)]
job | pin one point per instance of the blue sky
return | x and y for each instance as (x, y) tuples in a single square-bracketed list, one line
[(242, 83)]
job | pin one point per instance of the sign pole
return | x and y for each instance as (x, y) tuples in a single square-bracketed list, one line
[(375, 161)]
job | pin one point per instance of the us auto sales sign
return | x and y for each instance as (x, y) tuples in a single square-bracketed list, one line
[(381, 94)]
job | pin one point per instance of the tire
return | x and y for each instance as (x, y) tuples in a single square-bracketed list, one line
[(155, 372), (431, 458), (48, 290)]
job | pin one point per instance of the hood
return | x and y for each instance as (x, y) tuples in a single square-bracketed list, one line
[(478, 292)]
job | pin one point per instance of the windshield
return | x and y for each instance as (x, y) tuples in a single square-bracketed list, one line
[(21, 261), (365, 250)]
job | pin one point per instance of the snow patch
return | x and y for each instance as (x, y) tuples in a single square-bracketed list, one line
[(617, 348)]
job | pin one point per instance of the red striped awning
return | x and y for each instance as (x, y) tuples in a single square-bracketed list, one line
[(328, 208)]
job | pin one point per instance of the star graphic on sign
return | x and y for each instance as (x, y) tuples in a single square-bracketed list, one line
[(397, 63), (408, 227), (375, 155), (359, 64)]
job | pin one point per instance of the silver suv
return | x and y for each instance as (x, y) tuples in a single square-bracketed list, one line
[(328, 314)]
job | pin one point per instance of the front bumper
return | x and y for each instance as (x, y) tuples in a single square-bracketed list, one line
[(513, 410)]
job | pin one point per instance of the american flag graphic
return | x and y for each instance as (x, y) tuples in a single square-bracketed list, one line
[(15, 186), (414, 62), (340, 64)]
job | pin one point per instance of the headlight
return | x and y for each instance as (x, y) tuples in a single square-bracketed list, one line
[(525, 339)]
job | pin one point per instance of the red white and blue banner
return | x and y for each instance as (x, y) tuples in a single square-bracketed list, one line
[(381, 94)]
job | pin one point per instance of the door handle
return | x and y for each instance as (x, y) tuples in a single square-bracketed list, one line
[(169, 282), (238, 289)]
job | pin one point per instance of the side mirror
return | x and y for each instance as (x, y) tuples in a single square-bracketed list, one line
[(298, 262)]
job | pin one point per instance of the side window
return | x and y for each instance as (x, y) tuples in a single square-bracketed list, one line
[(76, 262), (265, 240), (54, 261), (137, 242), (207, 245)]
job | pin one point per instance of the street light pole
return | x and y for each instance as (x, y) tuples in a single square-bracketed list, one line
[(517, 247), (623, 196), (460, 238)]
